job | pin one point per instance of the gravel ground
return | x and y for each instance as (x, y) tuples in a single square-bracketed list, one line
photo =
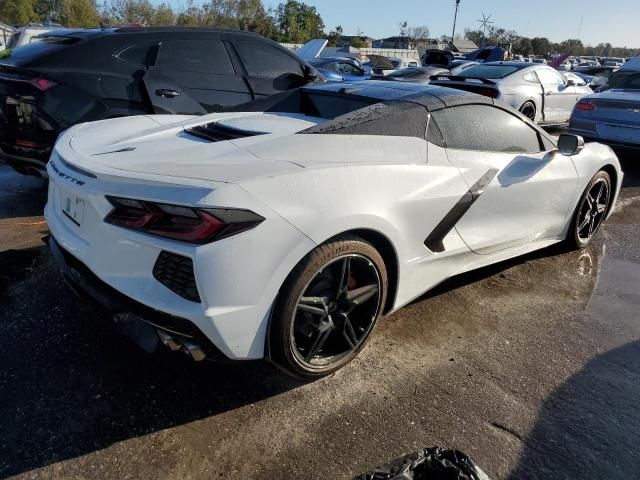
[(532, 367)]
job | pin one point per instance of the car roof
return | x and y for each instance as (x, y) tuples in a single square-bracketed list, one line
[(95, 32), (430, 96)]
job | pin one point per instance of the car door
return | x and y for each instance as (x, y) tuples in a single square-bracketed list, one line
[(269, 69), (194, 76), (558, 98), (522, 191)]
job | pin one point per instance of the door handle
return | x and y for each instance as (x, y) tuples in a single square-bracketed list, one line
[(548, 93), (167, 93)]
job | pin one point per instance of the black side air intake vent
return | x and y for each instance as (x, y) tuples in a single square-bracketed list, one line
[(176, 273), (214, 132)]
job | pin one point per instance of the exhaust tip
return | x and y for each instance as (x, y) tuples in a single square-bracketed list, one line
[(192, 349)]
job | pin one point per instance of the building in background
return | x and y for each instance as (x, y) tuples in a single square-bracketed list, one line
[(5, 34)]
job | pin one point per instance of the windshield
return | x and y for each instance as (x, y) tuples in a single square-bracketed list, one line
[(625, 80), (39, 47), (488, 71)]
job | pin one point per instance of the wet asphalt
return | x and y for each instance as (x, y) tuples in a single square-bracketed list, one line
[(532, 367)]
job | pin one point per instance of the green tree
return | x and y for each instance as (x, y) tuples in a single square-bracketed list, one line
[(297, 22), (252, 16), (524, 46), (163, 16), (334, 36), (358, 42), (18, 11), (572, 46), (541, 45), (79, 13)]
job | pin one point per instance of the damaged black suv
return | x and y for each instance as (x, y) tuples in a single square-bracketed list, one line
[(74, 76)]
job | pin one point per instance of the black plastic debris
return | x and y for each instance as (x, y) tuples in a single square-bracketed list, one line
[(428, 464)]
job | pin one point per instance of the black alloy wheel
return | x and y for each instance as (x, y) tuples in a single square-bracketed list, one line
[(336, 311), (332, 302), (592, 209)]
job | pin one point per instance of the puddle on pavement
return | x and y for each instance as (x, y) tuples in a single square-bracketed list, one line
[(477, 302)]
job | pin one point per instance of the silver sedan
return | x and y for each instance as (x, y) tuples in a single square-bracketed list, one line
[(539, 92)]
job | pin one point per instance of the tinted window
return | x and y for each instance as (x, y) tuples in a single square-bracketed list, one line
[(348, 68), (434, 135), (489, 71), (549, 77), (398, 119), (202, 56), (330, 106), (485, 128), (267, 61), (627, 80), (138, 54)]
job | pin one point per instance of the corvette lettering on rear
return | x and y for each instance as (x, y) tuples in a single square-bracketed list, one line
[(54, 167)]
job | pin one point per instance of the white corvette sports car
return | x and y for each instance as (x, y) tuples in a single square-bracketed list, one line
[(287, 231)]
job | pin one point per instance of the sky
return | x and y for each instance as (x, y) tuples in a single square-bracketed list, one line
[(616, 22)]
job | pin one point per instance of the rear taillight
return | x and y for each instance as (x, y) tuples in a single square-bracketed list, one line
[(488, 92), (42, 84), (585, 107), (187, 224)]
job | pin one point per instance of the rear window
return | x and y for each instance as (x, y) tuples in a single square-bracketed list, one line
[(625, 80), (330, 106), (46, 46), (488, 71)]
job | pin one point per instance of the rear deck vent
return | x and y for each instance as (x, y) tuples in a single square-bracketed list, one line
[(214, 132), (176, 273)]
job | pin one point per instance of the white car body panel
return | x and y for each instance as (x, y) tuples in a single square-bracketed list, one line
[(309, 188)]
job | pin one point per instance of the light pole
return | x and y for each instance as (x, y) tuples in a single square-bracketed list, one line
[(455, 17)]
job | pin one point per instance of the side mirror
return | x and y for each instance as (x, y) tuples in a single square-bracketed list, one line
[(570, 144), (311, 74)]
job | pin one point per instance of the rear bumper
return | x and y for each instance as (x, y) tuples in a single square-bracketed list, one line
[(237, 278), (147, 327)]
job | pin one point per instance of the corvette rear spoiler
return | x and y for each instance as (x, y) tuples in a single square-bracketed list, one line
[(456, 78), (481, 86)]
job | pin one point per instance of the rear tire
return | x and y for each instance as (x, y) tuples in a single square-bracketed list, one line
[(327, 308), (528, 109), (591, 211)]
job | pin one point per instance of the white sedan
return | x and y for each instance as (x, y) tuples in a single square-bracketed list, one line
[(288, 231)]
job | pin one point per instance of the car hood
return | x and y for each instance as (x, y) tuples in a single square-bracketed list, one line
[(175, 146)]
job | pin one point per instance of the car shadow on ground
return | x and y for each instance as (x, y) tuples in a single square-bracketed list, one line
[(590, 426), (71, 384)]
